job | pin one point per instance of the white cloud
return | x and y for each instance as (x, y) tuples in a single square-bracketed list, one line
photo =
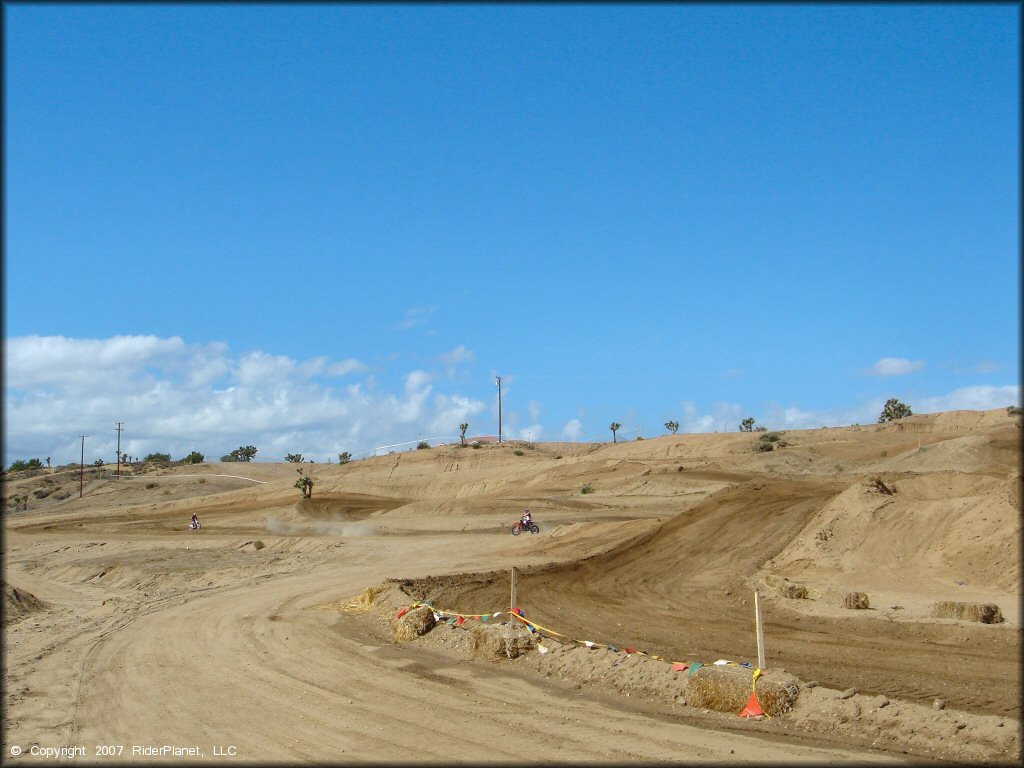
[(416, 316), (458, 355), (177, 397), (534, 408), (725, 417), (987, 366), (977, 398), (895, 366), (452, 360), (532, 432), (56, 360), (346, 367), (572, 429)]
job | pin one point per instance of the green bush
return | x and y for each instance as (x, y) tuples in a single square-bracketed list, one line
[(587, 489), (194, 458), (158, 457), (20, 464), (518, 452), (150, 486), (476, 445), (422, 444), (344, 458)]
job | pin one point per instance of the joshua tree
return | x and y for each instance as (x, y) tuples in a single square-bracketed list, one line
[(305, 484), (344, 458), (294, 458), (614, 428), (894, 409), (462, 429), (747, 425), (244, 453), (672, 426)]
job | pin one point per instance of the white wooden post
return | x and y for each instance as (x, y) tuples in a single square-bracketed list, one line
[(515, 597), (760, 631)]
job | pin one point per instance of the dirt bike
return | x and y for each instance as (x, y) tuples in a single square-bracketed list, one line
[(194, 525), (521, 526)]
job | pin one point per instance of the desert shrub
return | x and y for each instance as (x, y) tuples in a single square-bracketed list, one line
[(41, 493), (587, 489), (202, 480), (61, 495), (258, 544), (150, 486), (476, 445), (558, 456), (20, 465), (227, 458), (760, 429), (518, 452), (1014, 410), (158, 457), (422, 444), (194, 458)]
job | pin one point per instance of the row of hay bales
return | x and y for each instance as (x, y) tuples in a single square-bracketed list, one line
[(985, 613), (718, 688)]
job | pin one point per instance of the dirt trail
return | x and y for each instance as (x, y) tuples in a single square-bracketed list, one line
[(132, 630)]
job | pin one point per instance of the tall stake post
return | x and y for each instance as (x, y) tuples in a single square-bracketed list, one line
[(760, 631), (515, 596), (120, 426), (81, 469), (499, 407)]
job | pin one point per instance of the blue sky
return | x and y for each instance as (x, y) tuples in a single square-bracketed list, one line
[(317, 228)]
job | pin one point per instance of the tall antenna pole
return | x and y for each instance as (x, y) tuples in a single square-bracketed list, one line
[(498, 378), (120, 426), (81, 469)]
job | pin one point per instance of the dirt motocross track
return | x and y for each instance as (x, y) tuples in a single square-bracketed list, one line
[(124, 628)]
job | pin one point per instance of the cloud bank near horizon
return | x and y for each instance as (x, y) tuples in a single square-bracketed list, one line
[(175, 396)]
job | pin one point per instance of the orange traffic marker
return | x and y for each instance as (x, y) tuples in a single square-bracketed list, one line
[(753, 708)]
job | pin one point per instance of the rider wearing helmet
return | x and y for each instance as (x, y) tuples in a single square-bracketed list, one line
[(526, 519), (194, 523)]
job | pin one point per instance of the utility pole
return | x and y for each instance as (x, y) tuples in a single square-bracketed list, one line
[(120, 426), (81, 469), (498, 379)]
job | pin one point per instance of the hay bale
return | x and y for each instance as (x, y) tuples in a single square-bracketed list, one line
[(986, 613), (413, 624), (498, 643), (727, 689), (365, 601), (856, 601), (839, 598), (786, 588)]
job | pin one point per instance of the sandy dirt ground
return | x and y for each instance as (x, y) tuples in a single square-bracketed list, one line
[(126, 634)]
